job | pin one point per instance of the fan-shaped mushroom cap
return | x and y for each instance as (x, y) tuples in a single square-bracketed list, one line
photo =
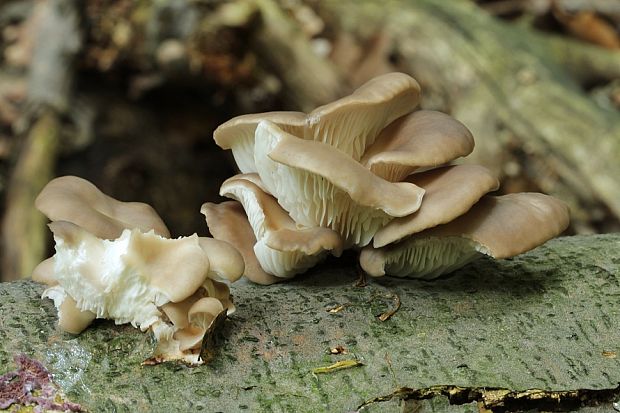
[(238, 134), (450, 192), (501, 227), (44, 272), (283, 248), (76, 200), (200, 316), (350, 124), (177, 312), (321, 186), (160, 260), (227, 222), (226, 263), (422, 139)]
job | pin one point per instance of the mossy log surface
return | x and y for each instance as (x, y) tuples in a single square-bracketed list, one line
[(545, 320)]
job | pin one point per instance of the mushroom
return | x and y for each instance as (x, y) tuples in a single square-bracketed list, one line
[(349, 124), (226, 263), (227, 222), (133, 274), (76, 200), (283, 248), (44, 272), (450, 192), (199, 318), (70, 318), (499, 227), (132, 279), (126, 279), (420, 140), (238, 134), (319, 185)]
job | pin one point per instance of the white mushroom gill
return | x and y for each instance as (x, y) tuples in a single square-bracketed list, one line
[(283, 248), (322, 186), (426, 258)]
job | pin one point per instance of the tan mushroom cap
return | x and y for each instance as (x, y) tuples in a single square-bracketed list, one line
[(422, 139), (238, 134), (226, 263), (227, 222), (200, 317), (177, 312), (500, 227), (176, 267), (350, 124), (283, 248), (274, 223), (71, 319), (76, 200), (221, 291), (44, 272), (509, 225), (450, 192), (321, 186)]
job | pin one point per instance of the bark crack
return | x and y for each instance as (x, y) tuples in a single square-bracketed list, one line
[(500, 400)]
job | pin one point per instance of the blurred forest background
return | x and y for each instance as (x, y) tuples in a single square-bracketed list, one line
[(127, 93)]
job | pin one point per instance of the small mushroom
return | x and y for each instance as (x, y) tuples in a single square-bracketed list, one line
[(70, 318), (450, 192), (76, 200), (421, 140), (349, 124), (322, 186), (44, 272), (226, 263), (500, 227), (200, 316), (227, 222), (191, 318), (283, 248)]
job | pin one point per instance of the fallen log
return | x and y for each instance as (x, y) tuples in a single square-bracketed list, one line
[(539, 331)]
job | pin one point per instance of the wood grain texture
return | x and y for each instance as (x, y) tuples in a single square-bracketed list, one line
[(547, 319)]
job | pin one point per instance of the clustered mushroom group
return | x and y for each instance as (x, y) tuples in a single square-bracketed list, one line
[(365, 172), (116, 260)]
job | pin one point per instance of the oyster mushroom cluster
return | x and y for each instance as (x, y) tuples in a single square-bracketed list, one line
[(116, 260), (368, 172)]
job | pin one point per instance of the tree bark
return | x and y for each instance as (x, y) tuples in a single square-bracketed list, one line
[(494, 330)]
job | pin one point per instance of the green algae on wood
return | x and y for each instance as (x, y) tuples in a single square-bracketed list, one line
[(545, 320)]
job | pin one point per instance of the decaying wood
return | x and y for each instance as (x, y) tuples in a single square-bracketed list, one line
[(533, 333)]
